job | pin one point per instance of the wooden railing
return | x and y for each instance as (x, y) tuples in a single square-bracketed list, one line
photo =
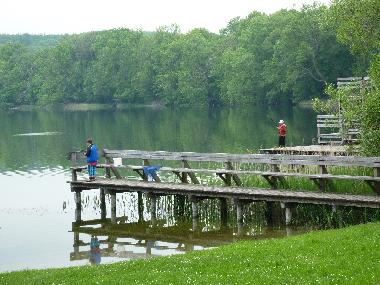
[(332, 129), (274, 168)]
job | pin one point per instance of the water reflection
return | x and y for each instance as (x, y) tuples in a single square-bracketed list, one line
[(95, 252), (143, 239), (200, 130)]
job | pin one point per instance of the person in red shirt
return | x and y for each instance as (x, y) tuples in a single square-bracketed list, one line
[(281, 133)]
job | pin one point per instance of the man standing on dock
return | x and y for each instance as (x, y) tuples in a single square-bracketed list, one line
[(92, 159), (281, 133)]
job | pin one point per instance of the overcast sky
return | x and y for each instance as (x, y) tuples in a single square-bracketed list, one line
[(76, 16)]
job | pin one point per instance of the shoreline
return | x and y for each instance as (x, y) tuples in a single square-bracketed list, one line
[(86, 107), (339, 256)]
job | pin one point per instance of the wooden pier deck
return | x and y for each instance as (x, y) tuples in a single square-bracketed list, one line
[(331, 150), (274, 168), (251, 194)]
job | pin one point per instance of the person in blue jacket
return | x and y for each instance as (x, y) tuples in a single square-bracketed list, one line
[(92, 159)]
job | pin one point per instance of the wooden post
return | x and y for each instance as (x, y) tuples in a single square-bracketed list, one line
[(149, 245), (73, 158), (288, 215), (228, 166), (153, 205), (179, 207), (113, 169), (269, 213), (193, 178), (189, 246), (288, 212), (74, 176), (78, 206), (273, 180), (140, 206), (276, 168), (194, 208), (76, 244), (184, 174), (113, 207), (376, 184), (108, 172), (239, 215), (289, 231), (322, 182), (103, 208), (223, 213), (111, 243)]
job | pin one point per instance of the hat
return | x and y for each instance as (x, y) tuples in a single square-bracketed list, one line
[(281, 122)]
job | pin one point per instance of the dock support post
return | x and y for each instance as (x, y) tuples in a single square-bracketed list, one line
[(239, 215), (113, 207), (288, 212), (194, 208), (74, 175), (223, 212), (322, 182), (153, 204), (111, 243), (179, 207), (193, 178), (269, 213), (140, 206), (76, 244), (78, 206), (103, 208), (228, 166), (376, 173)]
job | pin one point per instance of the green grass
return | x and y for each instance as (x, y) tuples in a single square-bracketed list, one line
[(346, 256)]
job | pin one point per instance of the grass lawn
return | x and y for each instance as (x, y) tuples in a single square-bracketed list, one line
[(345, 256)]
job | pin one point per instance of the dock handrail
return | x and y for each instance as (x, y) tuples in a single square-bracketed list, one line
[(247, 158), (273, 174), (274, 168)]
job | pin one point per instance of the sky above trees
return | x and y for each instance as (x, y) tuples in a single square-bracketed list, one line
[(77, 16)]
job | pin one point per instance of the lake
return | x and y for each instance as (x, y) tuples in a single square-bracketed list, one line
[(37, 208)]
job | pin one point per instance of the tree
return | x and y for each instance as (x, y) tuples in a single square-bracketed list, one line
[(358, 26), (15, 73)]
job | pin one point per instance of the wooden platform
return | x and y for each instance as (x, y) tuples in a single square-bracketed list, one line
[(251, 194), (187, 169), (331, 150)]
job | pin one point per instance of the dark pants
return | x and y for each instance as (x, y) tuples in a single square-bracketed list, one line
[(281, 141)]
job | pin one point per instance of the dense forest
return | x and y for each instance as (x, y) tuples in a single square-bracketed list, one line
[(287, 57), (31, 42)]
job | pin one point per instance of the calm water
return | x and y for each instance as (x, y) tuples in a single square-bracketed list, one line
[(37, 208)]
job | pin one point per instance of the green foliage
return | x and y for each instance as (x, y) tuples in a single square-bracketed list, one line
[(15, 74), (288, 56), (358, 26), (32, 42), (345, 256), (370, 122)]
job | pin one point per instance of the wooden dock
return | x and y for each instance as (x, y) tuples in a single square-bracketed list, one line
[(113, 186), (274, 168), (323, 149)]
